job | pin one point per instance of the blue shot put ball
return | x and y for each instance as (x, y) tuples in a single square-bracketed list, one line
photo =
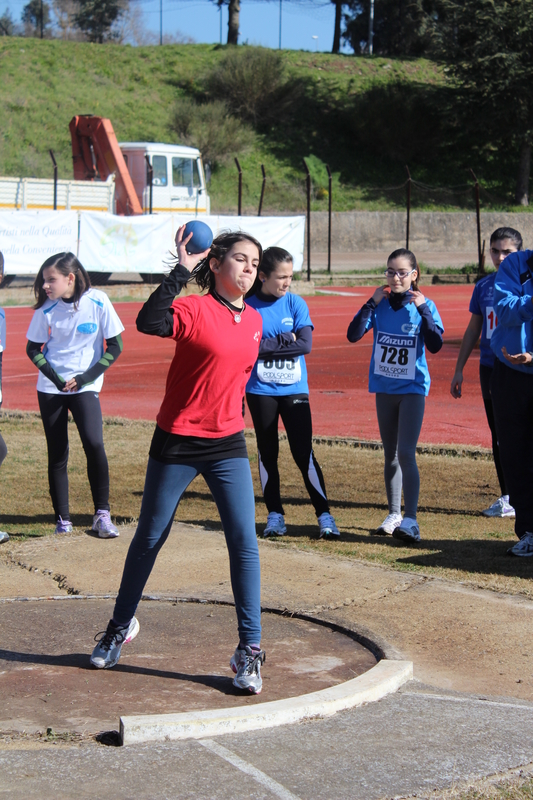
[(202, 236)]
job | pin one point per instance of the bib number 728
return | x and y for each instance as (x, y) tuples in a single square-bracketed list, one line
[(394, 355)]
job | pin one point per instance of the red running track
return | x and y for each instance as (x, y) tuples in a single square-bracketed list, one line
[(338, 371)]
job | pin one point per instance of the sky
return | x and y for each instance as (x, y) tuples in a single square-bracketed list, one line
[(304, 25)]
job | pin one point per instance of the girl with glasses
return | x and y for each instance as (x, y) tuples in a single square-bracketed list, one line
[(404, 323)]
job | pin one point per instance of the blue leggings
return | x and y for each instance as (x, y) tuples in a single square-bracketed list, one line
[(230, 483)]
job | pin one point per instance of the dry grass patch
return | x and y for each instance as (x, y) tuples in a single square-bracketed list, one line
[(457, 542)]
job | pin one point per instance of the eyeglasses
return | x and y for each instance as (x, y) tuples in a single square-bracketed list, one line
[(390, 273)]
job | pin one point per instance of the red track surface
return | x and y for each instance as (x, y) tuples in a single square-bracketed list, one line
[(338, 372)]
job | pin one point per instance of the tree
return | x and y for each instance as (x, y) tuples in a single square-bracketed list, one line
[(401, 27), (36, 17), (487, 44), (7, 26), (96, 18)]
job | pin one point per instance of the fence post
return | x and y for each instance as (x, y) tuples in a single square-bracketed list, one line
[(262, 191), (330, 186), (150, 182), (480, 255), (308, 187), (239, 211), (408, 222), (54, 162)]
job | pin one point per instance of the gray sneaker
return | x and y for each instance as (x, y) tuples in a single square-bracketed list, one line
[(246, 664), (524, 547), (4, 537), (103, 525), (107, 651)]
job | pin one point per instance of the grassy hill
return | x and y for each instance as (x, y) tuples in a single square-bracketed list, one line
[(365, 117)]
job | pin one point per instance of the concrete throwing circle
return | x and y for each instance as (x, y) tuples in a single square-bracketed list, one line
[(178, 663)]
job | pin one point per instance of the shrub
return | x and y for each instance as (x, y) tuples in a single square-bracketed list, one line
[(253, 83), (212, 129)]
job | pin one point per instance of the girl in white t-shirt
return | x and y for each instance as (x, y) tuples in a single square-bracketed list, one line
[(66, 343)]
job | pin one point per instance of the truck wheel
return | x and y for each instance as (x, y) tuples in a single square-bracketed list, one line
[(152, 277), (99, 278)]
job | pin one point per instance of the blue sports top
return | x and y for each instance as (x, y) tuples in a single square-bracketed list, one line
[(513, 292), (280, 374), (398, 364), (482, 304)]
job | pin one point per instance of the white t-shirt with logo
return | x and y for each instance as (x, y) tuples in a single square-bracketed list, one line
[(74, 336)]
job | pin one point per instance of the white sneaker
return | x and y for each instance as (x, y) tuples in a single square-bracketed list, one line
[(275, 525), (4, 537), (103, 525), (246, 664), (327, 527), (500, 508), (389, 525), (524, 547)]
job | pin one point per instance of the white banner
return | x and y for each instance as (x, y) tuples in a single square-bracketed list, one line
[(27, 238), (144, 244), (109, 243)]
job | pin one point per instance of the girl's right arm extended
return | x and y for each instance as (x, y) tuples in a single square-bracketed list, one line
[(33, 350), (155, 317), (360, 324)]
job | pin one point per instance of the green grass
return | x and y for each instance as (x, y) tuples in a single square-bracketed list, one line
[(45, 83)]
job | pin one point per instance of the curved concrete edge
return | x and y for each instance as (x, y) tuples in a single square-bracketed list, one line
[(386, 677)]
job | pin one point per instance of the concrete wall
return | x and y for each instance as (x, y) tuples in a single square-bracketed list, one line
[(352, 231)]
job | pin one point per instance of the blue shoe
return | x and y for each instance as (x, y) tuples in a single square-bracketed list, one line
[(107, 651), (246, 664), (524, 547), (327, 527), (275, 525), (408, 531), (63, 525)]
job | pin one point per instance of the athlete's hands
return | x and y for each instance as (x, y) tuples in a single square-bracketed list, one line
[(457, 383), (71, 386), (380, 293), (416, 297), (519, 358), (187, 260)]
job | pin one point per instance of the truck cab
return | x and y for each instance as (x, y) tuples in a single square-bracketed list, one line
[(178, 183)]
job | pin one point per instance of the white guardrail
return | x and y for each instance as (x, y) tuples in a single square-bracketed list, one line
[(108, 243)]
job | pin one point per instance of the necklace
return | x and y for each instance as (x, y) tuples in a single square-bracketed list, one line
[(237, 314)]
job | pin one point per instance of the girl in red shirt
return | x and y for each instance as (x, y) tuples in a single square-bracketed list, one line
[(200, 430)]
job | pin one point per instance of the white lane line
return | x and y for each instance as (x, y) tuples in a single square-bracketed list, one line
[(275, 787), (467, 700)]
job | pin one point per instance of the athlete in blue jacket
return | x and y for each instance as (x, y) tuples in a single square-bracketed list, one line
[(278, 387), (404, 323), (512, 388), (483, 322)]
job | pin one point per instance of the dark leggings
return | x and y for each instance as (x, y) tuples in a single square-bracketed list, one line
[(87, 414), (296, 416), (3, 449), (485, 374)]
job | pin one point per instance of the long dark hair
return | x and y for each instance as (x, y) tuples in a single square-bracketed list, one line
[(65, 263), (272, 258), (507, 233), (221, 246), (411, 258)]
